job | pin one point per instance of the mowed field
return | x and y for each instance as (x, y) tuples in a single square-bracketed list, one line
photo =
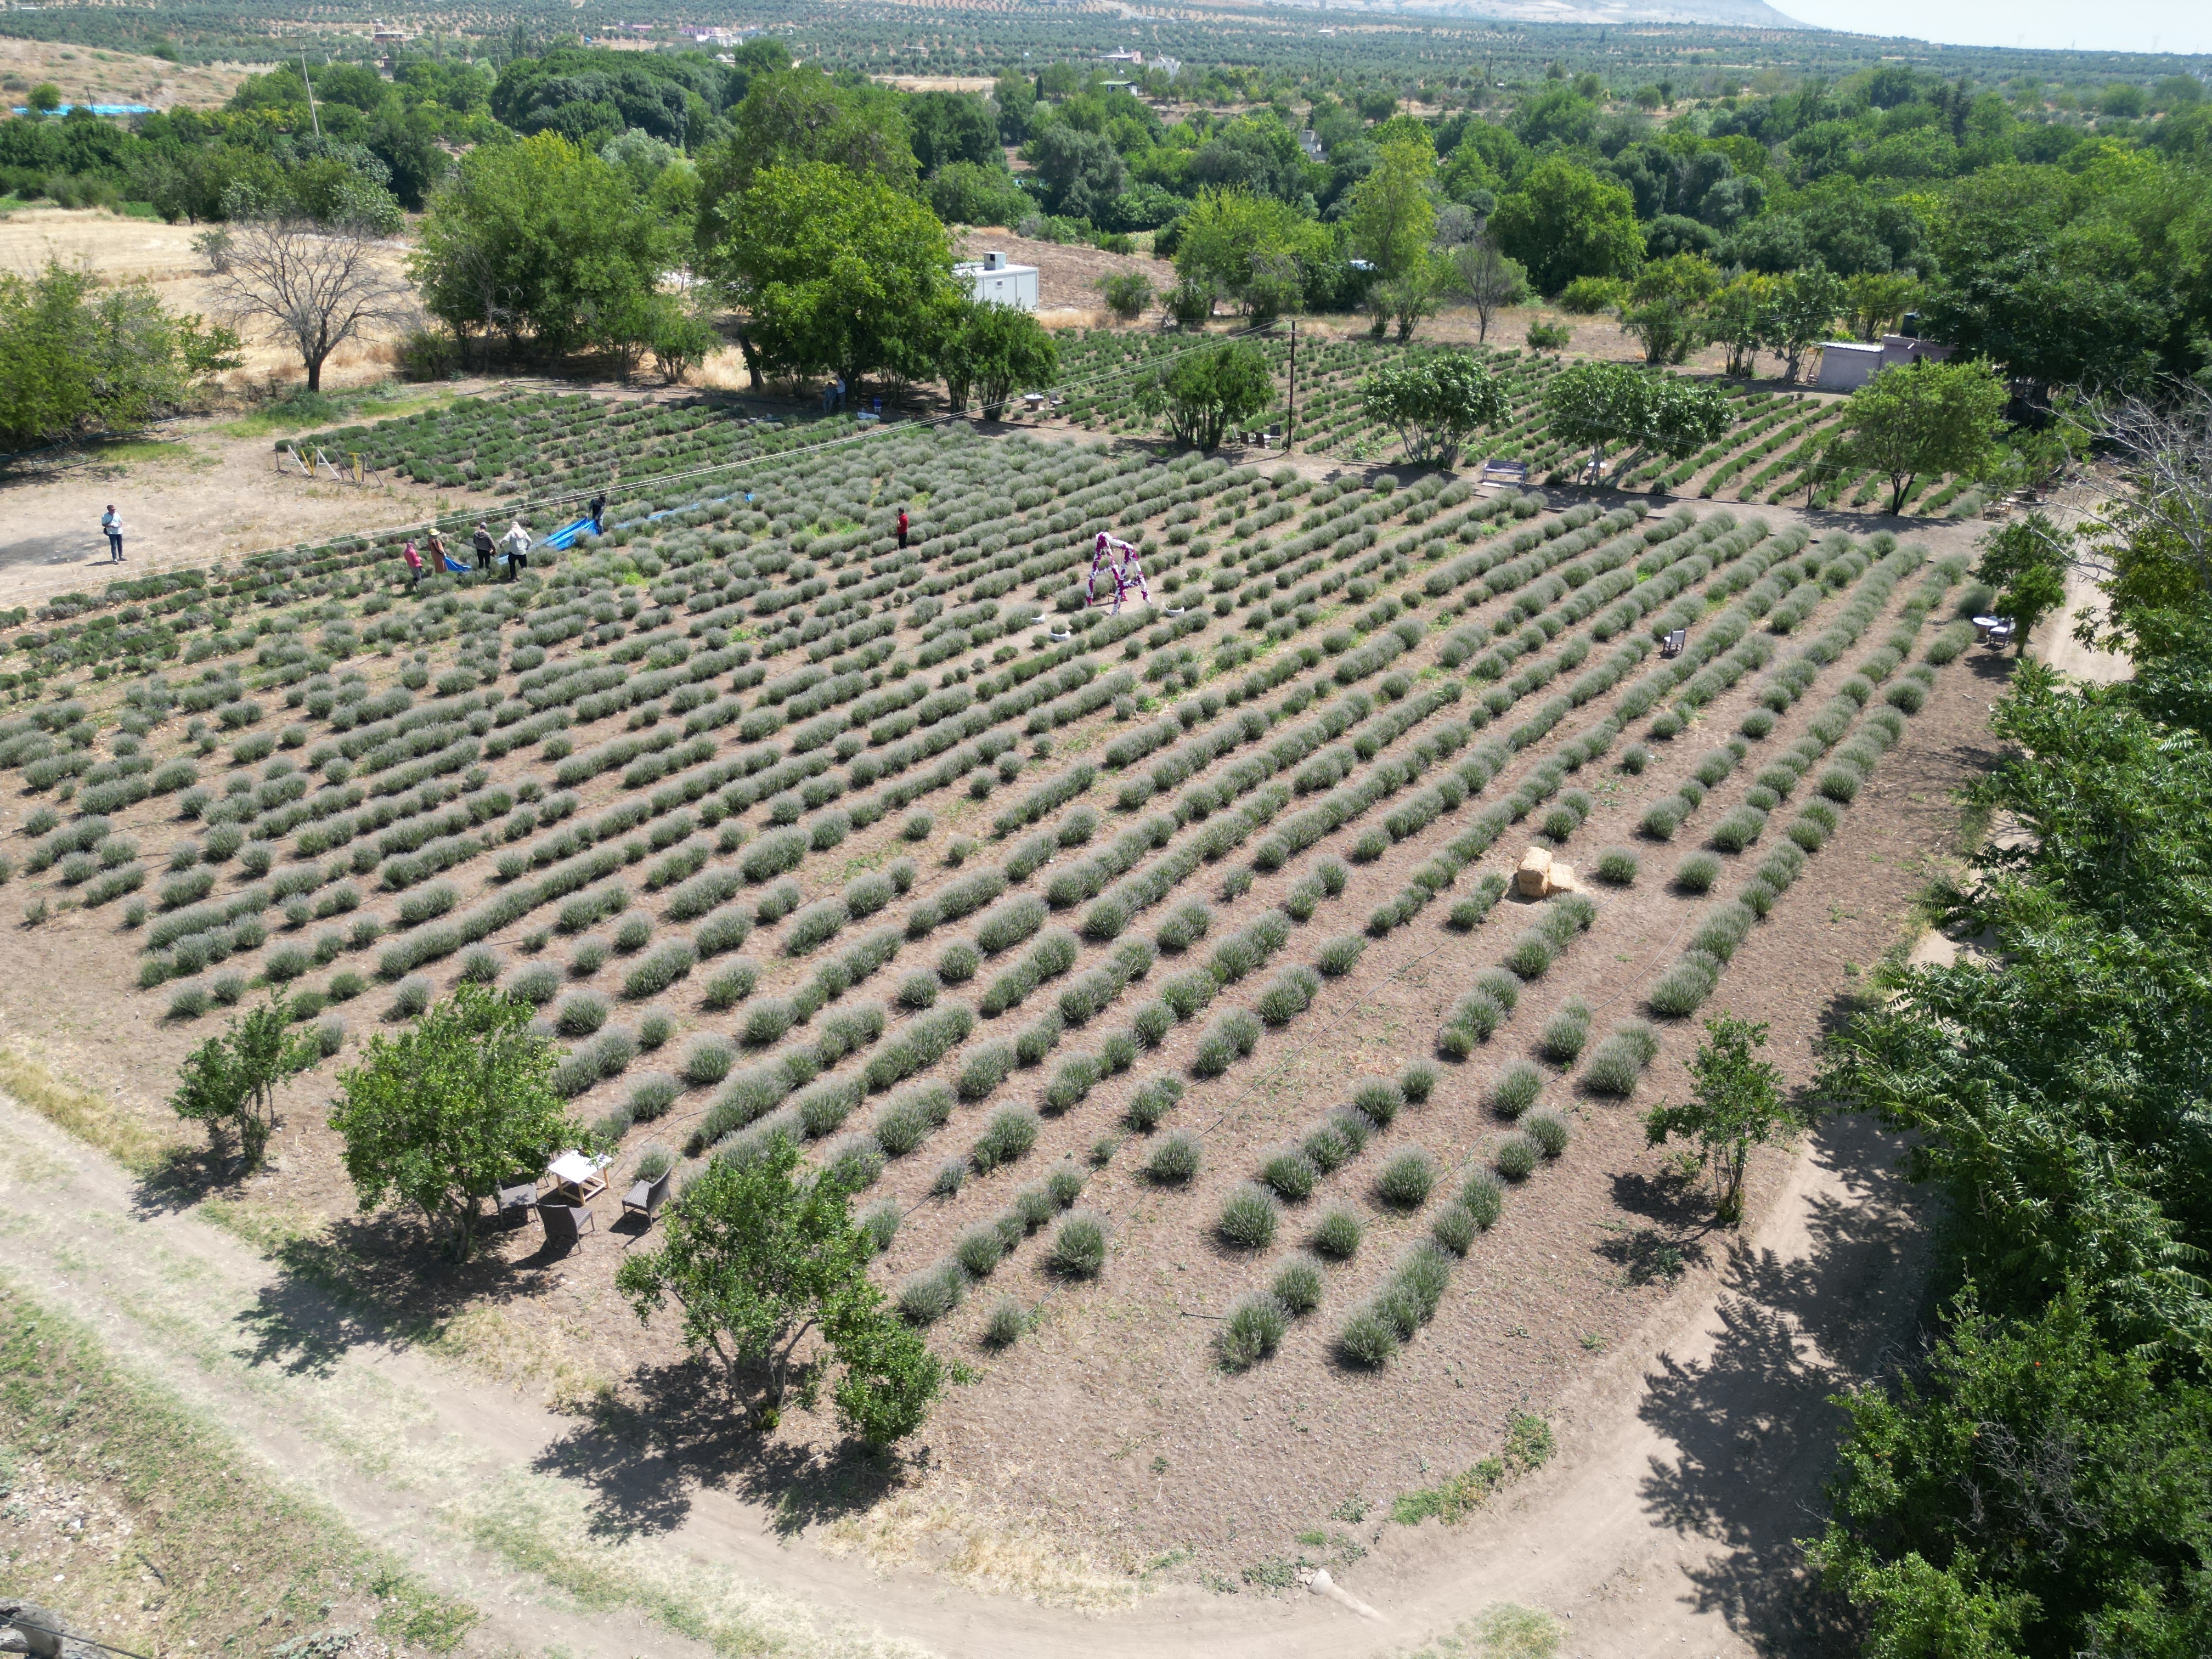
[(1190, 923)]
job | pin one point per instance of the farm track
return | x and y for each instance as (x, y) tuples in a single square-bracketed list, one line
[(1128, 1339)]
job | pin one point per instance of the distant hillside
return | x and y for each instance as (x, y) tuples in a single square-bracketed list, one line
[(1736, 14)]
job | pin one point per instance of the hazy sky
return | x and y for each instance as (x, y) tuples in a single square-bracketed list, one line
[(2180, 26)]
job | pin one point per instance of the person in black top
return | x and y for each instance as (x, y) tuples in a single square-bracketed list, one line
[(483, 544), (598, 515)]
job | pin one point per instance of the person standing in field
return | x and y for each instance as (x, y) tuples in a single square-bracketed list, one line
[(110, 523), (438, 546), (414, 562), (902, 530), (517, 543), (598, 515), (483, 543)]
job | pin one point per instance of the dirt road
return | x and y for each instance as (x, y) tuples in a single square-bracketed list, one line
[(1687, 1463)]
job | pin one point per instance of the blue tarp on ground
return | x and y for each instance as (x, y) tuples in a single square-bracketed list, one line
[(566, 536)]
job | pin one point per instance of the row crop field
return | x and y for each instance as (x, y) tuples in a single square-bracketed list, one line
[(1762, 459), (531, 444), (1153, 976)]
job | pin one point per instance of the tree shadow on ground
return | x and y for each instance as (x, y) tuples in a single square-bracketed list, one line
[(384, 1279), (676, 1430), (1753, 1435)]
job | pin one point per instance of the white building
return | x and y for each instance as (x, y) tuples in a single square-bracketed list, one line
[(992, 281), (1847, 365)]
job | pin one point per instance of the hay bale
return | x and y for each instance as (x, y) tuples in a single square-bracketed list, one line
[(1531, 879)]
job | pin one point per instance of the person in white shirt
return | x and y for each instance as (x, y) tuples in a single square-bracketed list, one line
[(517, 543), (111, 523)]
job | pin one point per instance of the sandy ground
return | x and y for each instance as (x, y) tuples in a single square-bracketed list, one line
[(86, 75), (1067, 276), (123, 250)]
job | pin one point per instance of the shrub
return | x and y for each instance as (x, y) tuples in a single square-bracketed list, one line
[(1156, 1097), (1078, 1248), (1696, 873), (1453, 1228), (1339, 956), (1256, 1325), (1152, 1024), (1297, 1284), (1616, 1066), (731, 984), (1418, 1081), (1515, 1090), (1407, 1179), (1248, 1218), (1484, 1198), (1617, 865), (1515, 1157), (1010, 1134), (1807, 834), (708, 1060), (1184, 927), (979, 1250), (1289, 1173), (1004, 1325), (1379, 1099), (413, 996), (1548, 1130), (928, 1296), (581, 1014), (1566, 1032), (985, 1070), (1337, 1235), (1679, 991), (1840, 783), (1368, 1339), (1174, 1161), (651, 1096), (1757, 724), (1531, 954), (766, 1020), (1661, 819), (536, 984)]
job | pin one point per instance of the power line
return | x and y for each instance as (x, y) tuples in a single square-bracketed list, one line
[(22, 1623)]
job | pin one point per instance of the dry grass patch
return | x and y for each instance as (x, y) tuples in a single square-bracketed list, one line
[(945, 1523)]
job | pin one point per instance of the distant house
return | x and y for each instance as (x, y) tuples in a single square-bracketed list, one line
[(1123, 57), (1847, 365), (994, 282), (1309, 142)]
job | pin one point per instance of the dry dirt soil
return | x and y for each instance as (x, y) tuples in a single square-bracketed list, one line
[(86, 75), (1067, 276)]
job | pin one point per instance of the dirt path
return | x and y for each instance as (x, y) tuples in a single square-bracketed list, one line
[(1689, 1461)]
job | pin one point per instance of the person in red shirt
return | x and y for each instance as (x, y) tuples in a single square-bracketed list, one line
[(902, 529), (414, 565)]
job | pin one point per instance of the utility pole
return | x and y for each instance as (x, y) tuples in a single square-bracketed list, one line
[(310, 84), (1290, 427)]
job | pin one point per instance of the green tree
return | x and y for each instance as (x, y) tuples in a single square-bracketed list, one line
[(756, 1256), (1232, 238), (1598, 404), (229, 1082), (2026, 563), (800, 116), (1564, 222), (1875, 301), (1740, 317), (44, 98), (438, 1115), (533, 241), (835, 271), (2031, 1491), (1739, 1105), (1666, 306), (1206, 393), (996, 349), (1436, 403), (1804, 310), (1390, 215), (1931, 418), (77, 359)]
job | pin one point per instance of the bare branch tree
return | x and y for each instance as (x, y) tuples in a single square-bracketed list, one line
[(1483, 277), (2164, 443), (315, 287)]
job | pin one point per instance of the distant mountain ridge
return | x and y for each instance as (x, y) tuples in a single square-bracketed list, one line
[(1737, 14)]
